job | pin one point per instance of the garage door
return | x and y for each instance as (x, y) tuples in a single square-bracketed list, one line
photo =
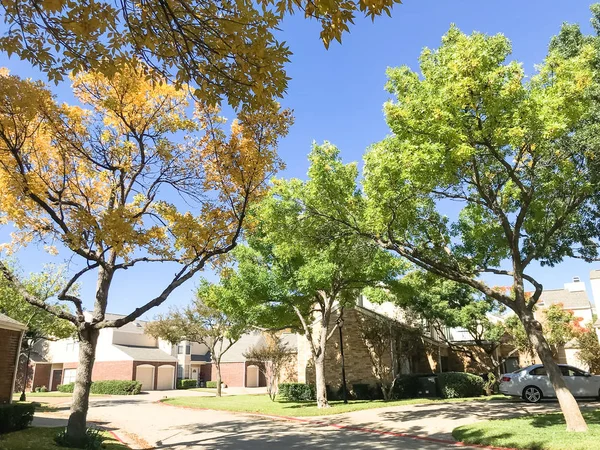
[(145, 374), (166, 374)]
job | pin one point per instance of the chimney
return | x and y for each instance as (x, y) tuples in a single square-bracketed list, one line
[(575, 286)]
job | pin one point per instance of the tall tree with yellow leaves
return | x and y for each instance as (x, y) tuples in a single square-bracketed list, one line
[(224, 48), (94, 179)]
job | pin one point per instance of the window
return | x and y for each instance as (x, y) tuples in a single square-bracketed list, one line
[(179, 371), (69, 376), (539, 371), (188, 349), (571, 372), (72, 346), (180, 349)]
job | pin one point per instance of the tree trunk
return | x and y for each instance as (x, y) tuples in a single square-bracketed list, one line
[(320, 381), (218, 368), (76, 427), (568, 404)]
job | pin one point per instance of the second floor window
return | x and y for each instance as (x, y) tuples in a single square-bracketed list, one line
[(181, 348)]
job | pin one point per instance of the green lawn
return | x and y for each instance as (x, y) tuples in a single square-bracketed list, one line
[(43, 394), (537, 432), (38, 438), (263, 405)]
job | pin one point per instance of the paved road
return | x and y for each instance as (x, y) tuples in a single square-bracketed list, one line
[(166, 427)]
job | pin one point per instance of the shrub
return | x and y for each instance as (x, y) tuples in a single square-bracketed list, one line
[(211, 384), (111, 387), (15, 416), (459, 384), (188, 383), (297, 392), (66, 387), (361, 391), (93, 440), (406, 386)]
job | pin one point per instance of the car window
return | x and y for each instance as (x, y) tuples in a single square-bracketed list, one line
[(573, 372), (565, 371), (538, 371)]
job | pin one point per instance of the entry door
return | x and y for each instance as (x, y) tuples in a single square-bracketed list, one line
[(56, 379)]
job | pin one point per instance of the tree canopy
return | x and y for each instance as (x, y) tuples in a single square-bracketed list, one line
[(223, 49), (517, 155), (102, 180), (298, 266)]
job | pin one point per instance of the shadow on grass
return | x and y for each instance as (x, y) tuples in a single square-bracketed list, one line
[(480, 437)]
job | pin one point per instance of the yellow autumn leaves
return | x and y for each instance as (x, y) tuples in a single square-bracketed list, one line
[(109, 176)]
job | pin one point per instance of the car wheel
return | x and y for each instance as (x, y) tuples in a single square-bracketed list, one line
[(532, 394)]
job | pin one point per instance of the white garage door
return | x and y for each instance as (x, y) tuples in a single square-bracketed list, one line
[(166, 374), (145, 374)]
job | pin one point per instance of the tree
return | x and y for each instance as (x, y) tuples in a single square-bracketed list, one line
[(204, 324), (41, 325), (272, 358), (558, 325), (517, 156), (387, 341), (98, 180), (444, 303), (305, 265), (225, 48), (589, 348)]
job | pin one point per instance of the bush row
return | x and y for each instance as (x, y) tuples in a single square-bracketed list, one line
[(112, 387), (187, 383), (213, 384), (15, 416), (297, 392), (445, 385)]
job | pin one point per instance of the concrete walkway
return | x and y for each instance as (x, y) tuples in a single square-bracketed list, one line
[(425, 426)]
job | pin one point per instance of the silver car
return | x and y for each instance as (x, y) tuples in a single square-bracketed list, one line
[(532, 383)]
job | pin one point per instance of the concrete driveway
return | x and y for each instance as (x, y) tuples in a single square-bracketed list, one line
[(427, 426)]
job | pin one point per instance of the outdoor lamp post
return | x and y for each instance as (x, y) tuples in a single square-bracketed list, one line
[(340, 324)]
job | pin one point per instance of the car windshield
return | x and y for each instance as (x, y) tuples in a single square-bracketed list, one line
[(519, 370)]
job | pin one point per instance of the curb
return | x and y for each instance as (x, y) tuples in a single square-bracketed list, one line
[(321, 423)]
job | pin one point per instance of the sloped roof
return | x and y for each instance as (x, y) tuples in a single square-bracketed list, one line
[(137, 326), (246, 342), (145, 353), (569, 299), (200, 358), (11, 324), (37, 358)]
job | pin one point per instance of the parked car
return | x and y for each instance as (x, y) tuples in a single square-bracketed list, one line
[(532, 383)]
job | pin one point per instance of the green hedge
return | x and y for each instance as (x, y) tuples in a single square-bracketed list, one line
[(297, 392), (213, 384), (111, 387), (15, 416), (459, 384), (187, 383), (406, 386)]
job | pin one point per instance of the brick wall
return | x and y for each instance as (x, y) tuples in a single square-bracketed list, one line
[(358, 365), (8, 358), (41, 376), (232, 374)]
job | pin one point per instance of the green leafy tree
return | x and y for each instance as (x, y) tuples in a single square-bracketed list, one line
[(203, 324), (516, 155), (41, 325), (589, 348), (302, 264), (445, 303)]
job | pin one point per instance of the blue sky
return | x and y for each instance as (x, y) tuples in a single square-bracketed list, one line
[(337, 95)]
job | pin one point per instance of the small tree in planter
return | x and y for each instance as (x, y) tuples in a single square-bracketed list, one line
[(204, 324), (271, 359)]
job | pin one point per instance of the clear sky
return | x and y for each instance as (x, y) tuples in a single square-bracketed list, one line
[(337, 95)]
